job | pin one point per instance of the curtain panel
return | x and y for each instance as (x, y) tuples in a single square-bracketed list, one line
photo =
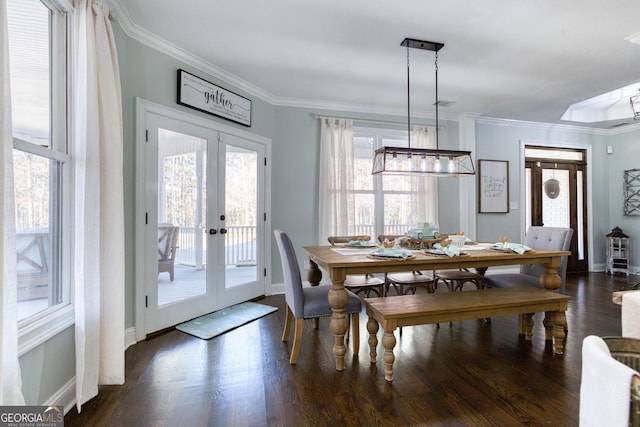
[(10, 375), (99, 203), (337, 201)]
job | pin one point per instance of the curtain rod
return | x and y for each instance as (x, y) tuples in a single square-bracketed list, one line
[(380, 122)]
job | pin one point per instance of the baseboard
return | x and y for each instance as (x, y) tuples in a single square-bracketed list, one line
[(277, 288), (65, 397), (129, 337)]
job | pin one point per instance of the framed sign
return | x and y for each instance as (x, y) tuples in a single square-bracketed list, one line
[(202, 95), (632, 192), (493, 186)]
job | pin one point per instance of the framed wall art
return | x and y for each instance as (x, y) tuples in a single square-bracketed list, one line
[(632, 192), (202, 95), (493, 186)]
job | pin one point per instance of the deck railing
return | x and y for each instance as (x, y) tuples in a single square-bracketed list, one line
[(240, 247)]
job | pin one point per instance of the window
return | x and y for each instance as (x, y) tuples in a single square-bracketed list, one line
[(384, 204), (38, 67)]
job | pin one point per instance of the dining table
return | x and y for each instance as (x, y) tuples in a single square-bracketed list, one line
[(340, 261)]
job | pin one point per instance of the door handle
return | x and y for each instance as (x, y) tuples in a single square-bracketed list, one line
[(213, 231), (223, 231)]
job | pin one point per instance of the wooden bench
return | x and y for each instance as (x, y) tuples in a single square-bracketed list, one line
[(409, 310)]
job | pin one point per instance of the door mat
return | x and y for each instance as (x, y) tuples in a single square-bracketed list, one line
[(221, 321)]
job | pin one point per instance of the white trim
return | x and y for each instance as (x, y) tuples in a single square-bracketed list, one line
[(39, 331), (129, 337), (467, 194), (277, 289), (589, 149), (65, 397)]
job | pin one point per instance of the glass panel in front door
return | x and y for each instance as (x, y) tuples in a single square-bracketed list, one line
[(556, 210), (181, 213), (240, 216)]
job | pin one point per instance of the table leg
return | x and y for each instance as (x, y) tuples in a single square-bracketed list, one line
[(314, 276), (388, 342), (559, 326), (338, 299), (372, 327), (550, 278)]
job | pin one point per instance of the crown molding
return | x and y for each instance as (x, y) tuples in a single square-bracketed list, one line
[(561, 127), (143, 36), (135, 32)]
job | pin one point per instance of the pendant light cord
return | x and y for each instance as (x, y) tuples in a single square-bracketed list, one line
[(437, 101), (408, 101)]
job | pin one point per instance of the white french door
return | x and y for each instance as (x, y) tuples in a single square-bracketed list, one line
[(204, 220)]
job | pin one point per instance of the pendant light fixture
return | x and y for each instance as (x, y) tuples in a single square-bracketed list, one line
[(552, 186), (635, 106), (409, 160)]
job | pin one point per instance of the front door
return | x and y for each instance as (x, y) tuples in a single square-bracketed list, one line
[(204, 228), (557, 198)]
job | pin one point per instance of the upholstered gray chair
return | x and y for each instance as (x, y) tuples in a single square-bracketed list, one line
[(554, 238), (308, 302)]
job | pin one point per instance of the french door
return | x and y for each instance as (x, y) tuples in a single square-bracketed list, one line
[(205, 220), (556, 197)]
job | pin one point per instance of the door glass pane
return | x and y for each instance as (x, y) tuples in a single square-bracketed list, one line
[(555, 211), (241, 216), (181, 212)]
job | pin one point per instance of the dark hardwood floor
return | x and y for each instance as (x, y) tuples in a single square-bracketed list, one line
[(467, 373)]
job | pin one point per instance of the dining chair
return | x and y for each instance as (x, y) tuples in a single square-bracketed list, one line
[(167, 247), (359, 283), (406, 282), (308, 302), (554, 238), (455, 279)]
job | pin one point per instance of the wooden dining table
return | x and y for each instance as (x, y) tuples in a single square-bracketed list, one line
[(340, 262)]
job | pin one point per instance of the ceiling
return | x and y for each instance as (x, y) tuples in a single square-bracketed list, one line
[(502, 59)]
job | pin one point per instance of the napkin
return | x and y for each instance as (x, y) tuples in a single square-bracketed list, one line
[(604, 390), (364, 243), (391, 253), (448, 250), (515, 247)]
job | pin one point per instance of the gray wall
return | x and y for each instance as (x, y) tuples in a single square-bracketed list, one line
[(500, 142), (626, 155), (149, 74)]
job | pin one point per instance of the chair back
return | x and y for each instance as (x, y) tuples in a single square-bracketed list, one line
[(335, 240), (291, 271), (167, 242), (554, 238)]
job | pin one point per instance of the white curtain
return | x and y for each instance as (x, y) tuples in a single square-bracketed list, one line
[(99, 205), (10, 376), (425, 187), (336, 204)]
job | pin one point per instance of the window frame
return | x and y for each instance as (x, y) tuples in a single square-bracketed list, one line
[(379, 135), (40, 327)]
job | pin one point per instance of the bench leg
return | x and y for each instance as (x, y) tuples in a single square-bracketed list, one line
[(372, 327), (388, 342), (527, 325), (559, 326)]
